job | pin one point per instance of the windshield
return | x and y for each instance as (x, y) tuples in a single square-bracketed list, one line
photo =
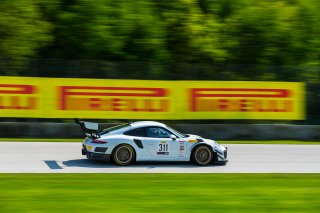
[(179, 134), (114, 128)]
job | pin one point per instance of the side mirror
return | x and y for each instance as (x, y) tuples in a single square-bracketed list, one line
[(173, 137)]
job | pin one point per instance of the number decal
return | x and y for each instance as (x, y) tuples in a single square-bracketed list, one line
[(163, 148)]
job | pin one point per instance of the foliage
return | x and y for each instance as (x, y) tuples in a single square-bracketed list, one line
[(22, 30), (257, 36), (109, 30)]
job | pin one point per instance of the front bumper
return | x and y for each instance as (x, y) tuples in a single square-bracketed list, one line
[(221, 156)]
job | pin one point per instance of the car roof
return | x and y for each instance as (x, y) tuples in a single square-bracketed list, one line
[(146, 123)]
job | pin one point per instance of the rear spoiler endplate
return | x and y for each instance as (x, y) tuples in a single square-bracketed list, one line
[(90, 129)]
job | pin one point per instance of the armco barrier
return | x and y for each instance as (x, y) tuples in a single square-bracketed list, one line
[(213, 131)]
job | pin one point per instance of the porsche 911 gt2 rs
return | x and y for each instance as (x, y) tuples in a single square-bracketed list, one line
[(148, 141)]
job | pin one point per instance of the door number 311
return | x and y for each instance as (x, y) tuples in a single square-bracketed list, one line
[(163, 147)]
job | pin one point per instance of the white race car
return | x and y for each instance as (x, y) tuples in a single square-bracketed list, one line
[(148, 141)]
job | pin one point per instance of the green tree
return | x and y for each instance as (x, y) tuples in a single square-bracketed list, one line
[(22, 31), (192, 35), (266, 34), (109, 30), (309, 29)]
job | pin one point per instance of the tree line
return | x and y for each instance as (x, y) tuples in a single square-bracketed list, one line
[(264, 39)]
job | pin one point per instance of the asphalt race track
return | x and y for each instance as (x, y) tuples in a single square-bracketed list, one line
[(42, 157)]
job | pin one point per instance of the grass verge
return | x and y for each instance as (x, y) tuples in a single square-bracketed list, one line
[(159, 193), (220, 141)]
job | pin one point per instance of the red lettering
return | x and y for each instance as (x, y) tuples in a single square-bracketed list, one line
[(16, 89), (225, 99), (16, 96), (112, 98), (116, 104), (95, 102)]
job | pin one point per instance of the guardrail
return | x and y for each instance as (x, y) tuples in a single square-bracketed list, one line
[(214, 131)]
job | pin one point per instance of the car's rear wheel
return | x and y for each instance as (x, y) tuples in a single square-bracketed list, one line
[(202, 155), (123, 155)]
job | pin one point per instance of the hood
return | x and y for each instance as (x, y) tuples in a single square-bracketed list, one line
[(197, 138), (193, 136)]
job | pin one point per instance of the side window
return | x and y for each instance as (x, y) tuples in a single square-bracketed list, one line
[(157, 132), (136, 132)]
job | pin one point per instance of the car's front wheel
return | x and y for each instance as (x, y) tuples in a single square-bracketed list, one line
[(123, 155), (202, 155)]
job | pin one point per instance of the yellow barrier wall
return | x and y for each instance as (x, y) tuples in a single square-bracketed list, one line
[(141, 99)]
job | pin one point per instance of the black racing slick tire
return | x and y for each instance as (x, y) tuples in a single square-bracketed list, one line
[(123, 155), (202, 155)]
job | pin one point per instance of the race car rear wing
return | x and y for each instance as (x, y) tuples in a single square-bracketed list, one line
[(90, 129)]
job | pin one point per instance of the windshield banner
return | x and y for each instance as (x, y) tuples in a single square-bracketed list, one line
[(143, 99)]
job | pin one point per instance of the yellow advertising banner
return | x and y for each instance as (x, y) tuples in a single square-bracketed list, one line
[(142, 99)]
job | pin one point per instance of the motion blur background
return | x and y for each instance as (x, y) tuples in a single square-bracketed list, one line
[(215, 40), (247, 40)]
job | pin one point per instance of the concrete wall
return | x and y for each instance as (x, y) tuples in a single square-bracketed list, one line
[(253, 131), (213, 131)]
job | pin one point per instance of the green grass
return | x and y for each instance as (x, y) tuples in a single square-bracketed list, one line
[(159, 193), (220, 141)]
